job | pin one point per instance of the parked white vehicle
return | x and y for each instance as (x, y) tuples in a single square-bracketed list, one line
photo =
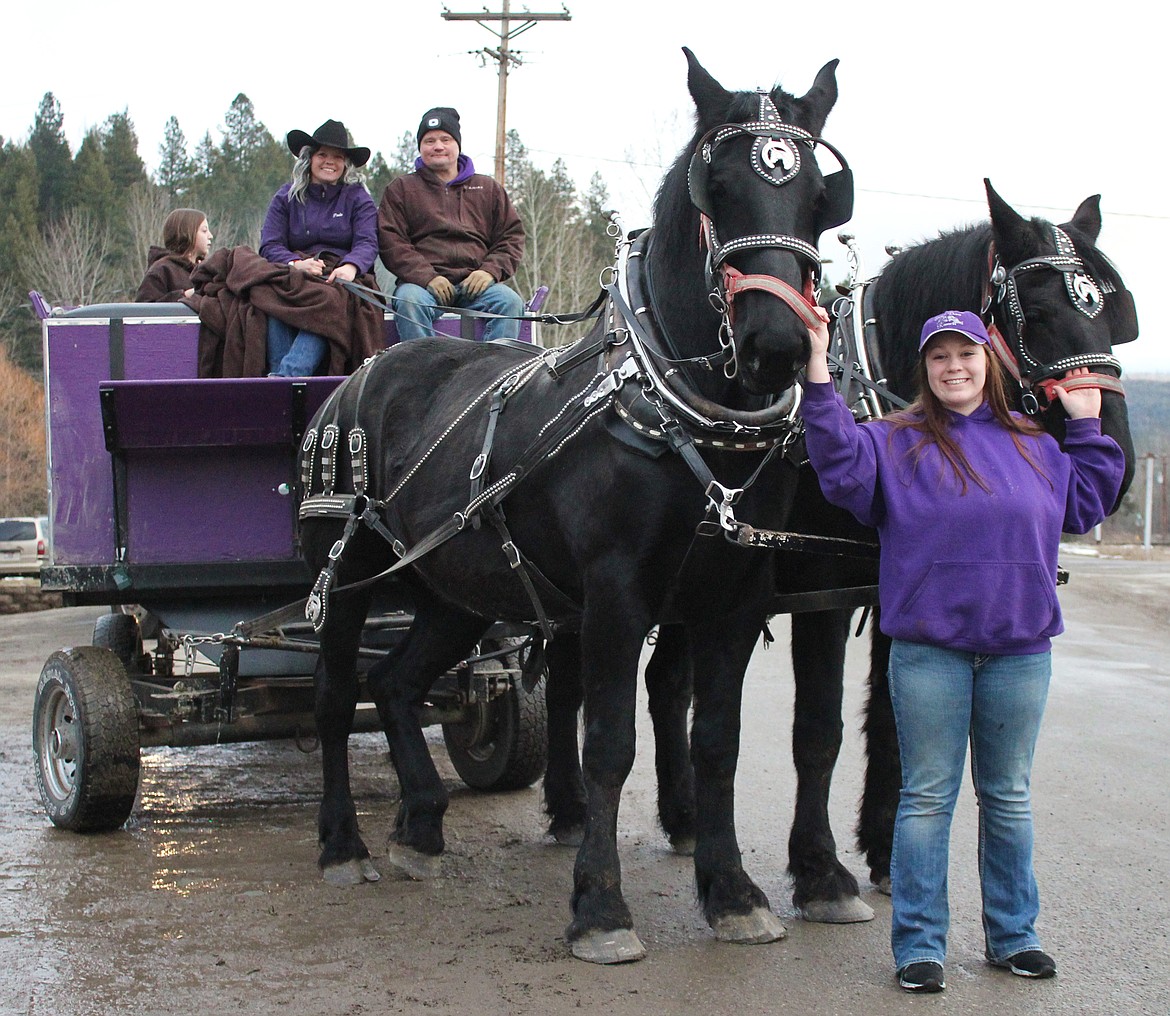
[(23, 542)]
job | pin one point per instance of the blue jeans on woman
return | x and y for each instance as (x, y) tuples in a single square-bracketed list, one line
[(942, 699), (293, 352), (415, 310)]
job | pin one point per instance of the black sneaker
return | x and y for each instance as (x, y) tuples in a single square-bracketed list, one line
[(924, 976), (1030, 963)]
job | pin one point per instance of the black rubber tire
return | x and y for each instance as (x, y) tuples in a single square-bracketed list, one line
[(85, 740), (506, 746), (121, 634)]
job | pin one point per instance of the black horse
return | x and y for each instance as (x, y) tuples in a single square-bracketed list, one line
[(584, 511), (1056, 302)]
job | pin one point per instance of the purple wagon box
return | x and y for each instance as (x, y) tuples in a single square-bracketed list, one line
[(148, 465), (159, 479)]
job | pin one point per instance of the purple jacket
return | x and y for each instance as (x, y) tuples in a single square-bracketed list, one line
[(341, 218), (973, 571)]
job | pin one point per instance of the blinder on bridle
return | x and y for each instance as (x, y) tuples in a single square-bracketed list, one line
[(1086, 295), (776, 156)]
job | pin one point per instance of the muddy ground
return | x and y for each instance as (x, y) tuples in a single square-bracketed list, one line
[(209, 901)]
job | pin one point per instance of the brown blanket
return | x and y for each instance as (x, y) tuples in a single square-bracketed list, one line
[(235, 291)]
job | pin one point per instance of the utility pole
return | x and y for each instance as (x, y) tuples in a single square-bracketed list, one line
[(510, 27)]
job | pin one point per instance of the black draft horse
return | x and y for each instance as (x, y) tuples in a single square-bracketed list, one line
[(1056, 302), (597, 530)]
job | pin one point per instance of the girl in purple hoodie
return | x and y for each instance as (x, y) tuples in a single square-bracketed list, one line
[(969, 500)]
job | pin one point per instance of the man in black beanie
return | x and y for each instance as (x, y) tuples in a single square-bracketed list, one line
[(450, 236)]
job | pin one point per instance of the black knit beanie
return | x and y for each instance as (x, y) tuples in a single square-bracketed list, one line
[(441, 118)]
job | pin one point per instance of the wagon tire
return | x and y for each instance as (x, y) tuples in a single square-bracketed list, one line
[(505, 745), (85, 740), (122, 635)]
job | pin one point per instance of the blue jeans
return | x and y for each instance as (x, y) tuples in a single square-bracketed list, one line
[(293, 352), (942, 699), (415, 310)]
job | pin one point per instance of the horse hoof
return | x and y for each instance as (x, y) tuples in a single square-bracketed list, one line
[(413, 864), (684, 846), (351, 873), (574, 836), (621, 945), (883, 885), (847, 910), (755, 928)]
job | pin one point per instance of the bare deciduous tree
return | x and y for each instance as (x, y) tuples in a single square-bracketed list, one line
[(146, 208), (70, 264)]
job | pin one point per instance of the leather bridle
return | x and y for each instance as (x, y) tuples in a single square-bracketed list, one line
[(1001, 294), (777, 157)]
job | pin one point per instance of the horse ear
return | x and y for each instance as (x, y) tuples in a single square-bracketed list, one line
[(1087, 217), (711, 98), (820, 99), (1007, 224)]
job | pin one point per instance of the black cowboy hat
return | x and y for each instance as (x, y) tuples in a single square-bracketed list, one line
[(333, 134)]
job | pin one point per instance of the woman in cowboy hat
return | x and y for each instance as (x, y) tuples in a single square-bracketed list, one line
[(324, 224)]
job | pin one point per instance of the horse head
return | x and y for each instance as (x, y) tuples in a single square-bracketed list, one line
[(749, 186), (1058, 303)]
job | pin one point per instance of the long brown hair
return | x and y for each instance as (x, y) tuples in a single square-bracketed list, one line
[(927, 415), (179, 229)]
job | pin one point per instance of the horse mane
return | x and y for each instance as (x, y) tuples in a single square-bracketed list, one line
[(944, 273)]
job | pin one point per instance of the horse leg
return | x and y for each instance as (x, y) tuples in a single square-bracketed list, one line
[(734, 906), (344, 858), (883, 770), (601, 930), (669, 681), (564, 786), (824, 890), (439, 638)]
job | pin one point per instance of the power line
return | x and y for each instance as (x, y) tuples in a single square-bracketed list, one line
[(635, 163)]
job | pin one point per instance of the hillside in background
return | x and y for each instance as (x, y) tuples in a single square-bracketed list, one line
[(1148, 397)]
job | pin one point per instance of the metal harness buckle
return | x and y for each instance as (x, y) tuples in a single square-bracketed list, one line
[(723, 505)]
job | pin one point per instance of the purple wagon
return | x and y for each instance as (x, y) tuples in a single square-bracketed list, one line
[(174, 500)]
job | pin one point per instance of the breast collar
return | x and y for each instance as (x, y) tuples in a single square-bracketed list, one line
[(665, 398)]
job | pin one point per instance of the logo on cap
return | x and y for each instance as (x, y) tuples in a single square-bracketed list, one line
[(433, 122)]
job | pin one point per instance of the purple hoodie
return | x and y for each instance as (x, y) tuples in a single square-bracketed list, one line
[(973, 571), (337, 217)]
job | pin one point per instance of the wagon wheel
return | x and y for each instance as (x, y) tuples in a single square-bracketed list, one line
[(85, 740), (122, 635), (504, 744)]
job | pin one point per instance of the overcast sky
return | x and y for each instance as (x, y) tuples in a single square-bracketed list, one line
[(1053, 102)]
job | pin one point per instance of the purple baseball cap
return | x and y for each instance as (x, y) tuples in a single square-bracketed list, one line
[(961, 321)]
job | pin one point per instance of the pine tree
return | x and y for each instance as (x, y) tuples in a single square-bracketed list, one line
[(174, 167), (18, 233), (245, 171), (120, 147), (405, 152), (54, 160), (203, 164), (244, 137), (93, 189)]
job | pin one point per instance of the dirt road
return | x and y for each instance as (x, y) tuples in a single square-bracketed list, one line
[(209, 901)]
